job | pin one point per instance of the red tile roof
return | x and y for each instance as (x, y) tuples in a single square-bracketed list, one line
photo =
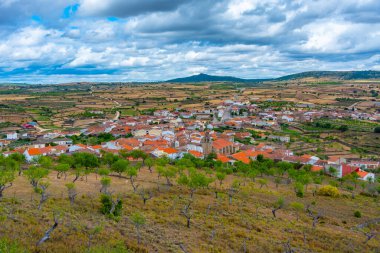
[(170, 150), (222, 158), (316, 168), (242, 157), (195, 153), (221, 143), (361, 173)]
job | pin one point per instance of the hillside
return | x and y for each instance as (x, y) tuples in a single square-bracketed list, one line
[(235, 212), (333, 75), (206, 78)]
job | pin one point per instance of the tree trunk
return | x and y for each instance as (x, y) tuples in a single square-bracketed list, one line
[(138, 236), (274, 210), (76, 178), (192, 193), (168, 181), (47, 233)]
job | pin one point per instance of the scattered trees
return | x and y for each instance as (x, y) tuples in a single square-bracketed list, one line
[(132, 174), (316, 217), (6, 180), (149, 162), (145, 196), (220, 176), (138, 220), (35, 174), (297, 207), (49, 231), (105, 182), (62, 169), (84, 160), (41, 189), (278, 205), (111, 207), (194, 180), (168, 172), (120, 166), (71, 191), (187, 213), (263, 182)]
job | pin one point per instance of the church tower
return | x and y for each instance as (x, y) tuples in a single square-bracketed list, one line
[(207, 143)]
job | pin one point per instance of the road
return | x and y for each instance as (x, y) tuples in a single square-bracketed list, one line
[(226, 114), (40, 129), (116, 103), (117, 115)]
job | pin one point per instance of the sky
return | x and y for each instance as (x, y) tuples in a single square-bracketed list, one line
[(45, 41)]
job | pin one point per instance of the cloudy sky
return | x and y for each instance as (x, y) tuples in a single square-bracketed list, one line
[(45, 41)]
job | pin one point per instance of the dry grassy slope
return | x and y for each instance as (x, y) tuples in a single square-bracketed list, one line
[(216, 226)]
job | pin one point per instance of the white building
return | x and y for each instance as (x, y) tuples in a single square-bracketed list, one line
[(12, 136)]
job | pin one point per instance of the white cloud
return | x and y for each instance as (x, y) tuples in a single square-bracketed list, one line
[(163, 39)]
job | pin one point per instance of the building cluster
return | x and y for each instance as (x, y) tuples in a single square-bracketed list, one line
[(234, 131)]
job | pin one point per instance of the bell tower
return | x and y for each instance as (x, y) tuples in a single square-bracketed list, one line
[(207, 143)]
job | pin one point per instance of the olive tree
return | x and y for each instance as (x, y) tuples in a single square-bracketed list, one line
[(138, 220), (71, 191), (194, 180), (120, 166), (6, 180), (278, 205)]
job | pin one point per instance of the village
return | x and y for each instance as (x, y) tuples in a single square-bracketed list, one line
[(233, 130)]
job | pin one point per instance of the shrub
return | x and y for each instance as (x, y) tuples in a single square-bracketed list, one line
[(106, 207), (10, 246), (328, 190), (376, 130), (299, 189), (357, 214)]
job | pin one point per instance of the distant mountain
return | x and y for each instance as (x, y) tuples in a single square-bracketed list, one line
[(206, 78), (335, 75)]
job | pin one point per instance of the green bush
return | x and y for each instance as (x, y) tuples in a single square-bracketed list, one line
[(357, 214), (328, 190), (299, 189), (106, 207), (10, 246)]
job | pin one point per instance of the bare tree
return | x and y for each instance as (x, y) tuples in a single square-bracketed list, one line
[(288, 247), (231, 193), (134, 184), (91, 232), (187, 213), (369, 235), (71, 191), (49, 231), (315, 217), (10, 213), (138, 220), (145, 196), (3, 187), (114, 203), (278, 205), (42, 187)]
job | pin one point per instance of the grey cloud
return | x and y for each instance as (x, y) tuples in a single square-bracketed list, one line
[(127, 8), (162, 39)]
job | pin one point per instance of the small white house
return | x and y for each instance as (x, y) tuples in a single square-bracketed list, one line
[(12, 136)]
